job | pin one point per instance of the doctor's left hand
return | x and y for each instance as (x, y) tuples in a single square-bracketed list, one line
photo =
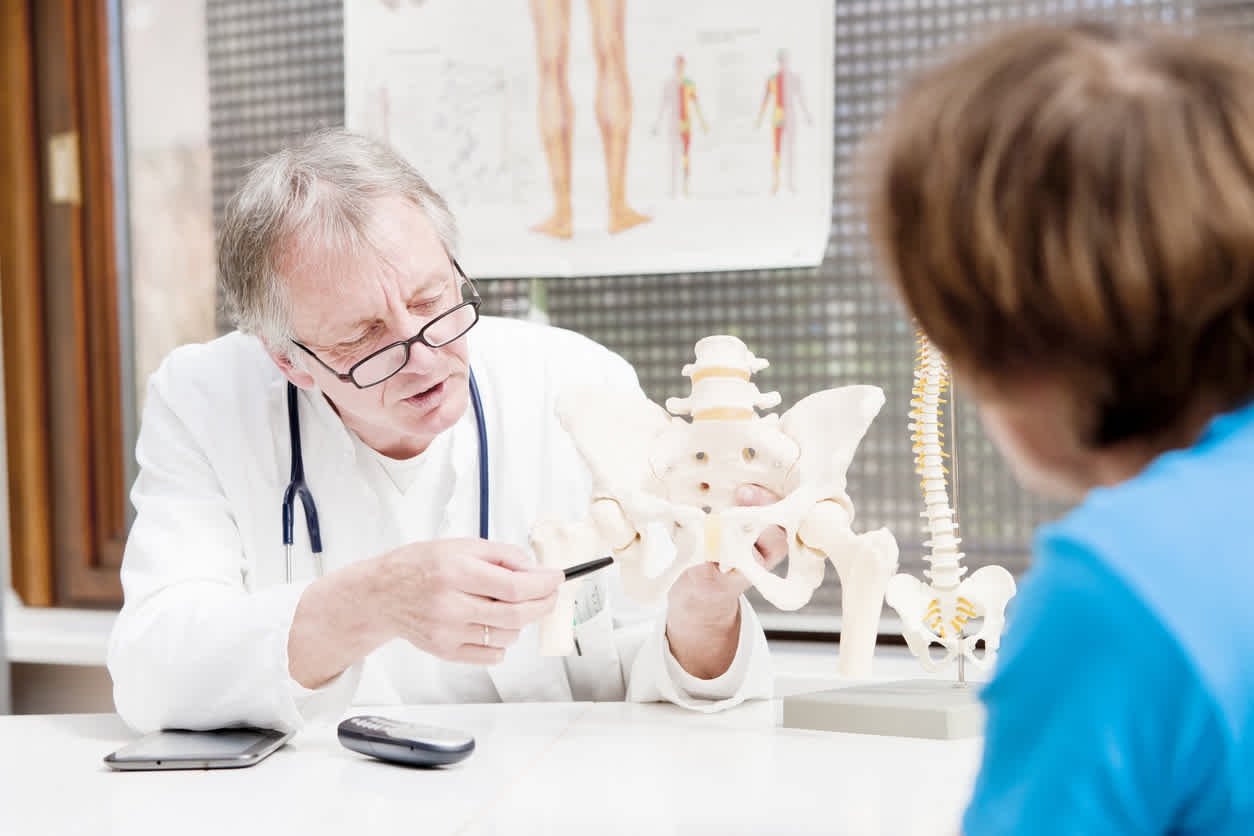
[(703, 606)]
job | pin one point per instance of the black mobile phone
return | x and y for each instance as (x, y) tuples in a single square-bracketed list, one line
[(411, 743), (182, 749)]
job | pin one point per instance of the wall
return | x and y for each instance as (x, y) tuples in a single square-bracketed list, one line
[(61, 689), (168, 160)]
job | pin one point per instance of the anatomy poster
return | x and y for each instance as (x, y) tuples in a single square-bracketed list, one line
[(594, 137)]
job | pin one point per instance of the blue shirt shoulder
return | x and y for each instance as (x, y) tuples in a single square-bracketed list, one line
[(1124, 696)]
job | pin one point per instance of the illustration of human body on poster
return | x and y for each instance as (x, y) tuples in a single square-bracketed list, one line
[(594, 137)]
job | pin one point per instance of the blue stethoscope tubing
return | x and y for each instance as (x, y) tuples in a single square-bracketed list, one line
[(296, 486)]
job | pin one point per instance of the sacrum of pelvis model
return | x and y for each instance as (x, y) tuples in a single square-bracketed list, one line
[(664, 491), (940, 611)]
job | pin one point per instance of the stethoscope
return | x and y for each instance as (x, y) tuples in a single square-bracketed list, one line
[(296, 485)]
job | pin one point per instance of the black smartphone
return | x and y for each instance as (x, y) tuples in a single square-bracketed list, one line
[(215, 749), (410, 743)]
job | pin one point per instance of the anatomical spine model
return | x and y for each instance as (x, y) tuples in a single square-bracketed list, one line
[(664, 488), (938, 612)]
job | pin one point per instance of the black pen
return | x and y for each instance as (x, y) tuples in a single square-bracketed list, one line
[(581, 569)]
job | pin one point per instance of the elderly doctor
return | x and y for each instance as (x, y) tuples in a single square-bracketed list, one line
[(337, 263)]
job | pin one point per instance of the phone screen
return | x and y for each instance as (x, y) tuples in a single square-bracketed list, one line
[(190, 744)]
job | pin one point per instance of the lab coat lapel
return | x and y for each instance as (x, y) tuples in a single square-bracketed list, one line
[(461, 515), (525, 675)]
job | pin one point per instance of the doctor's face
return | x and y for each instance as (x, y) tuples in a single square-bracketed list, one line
[(344, 309)]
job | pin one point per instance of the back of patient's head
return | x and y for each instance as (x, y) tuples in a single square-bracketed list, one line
[(1079, 202)]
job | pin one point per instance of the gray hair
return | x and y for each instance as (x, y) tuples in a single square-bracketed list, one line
[(324, 187)]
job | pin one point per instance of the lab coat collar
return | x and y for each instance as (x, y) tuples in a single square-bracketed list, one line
[(524, 675)]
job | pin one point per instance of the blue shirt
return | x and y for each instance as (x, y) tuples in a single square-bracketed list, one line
[(1123, 700)]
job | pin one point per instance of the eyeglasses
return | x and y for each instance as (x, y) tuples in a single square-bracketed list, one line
[(444, 329)]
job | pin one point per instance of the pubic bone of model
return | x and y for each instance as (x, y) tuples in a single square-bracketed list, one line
[(938, 612), (664, 491)]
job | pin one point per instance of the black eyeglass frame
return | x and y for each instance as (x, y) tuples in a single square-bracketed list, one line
[(474, 301)]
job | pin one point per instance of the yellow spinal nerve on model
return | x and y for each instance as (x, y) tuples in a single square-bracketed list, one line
[(937, 612)]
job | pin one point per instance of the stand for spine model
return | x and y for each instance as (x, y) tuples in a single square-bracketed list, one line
[(939, 612)]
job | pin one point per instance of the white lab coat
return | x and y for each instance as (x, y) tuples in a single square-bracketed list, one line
[(202, 639)]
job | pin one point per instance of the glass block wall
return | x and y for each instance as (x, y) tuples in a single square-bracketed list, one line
[(276, 71)]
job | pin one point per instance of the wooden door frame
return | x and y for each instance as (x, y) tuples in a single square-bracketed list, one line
[(21, 317), (63, 387)]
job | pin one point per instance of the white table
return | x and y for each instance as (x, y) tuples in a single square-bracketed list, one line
[(541, 768)]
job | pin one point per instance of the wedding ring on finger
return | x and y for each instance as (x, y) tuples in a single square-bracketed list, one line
[(487, 636)]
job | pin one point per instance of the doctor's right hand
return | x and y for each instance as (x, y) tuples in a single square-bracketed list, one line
[(460, 600), (442, 595)]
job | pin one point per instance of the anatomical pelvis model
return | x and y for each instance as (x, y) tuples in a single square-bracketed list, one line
[(664, 485)]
